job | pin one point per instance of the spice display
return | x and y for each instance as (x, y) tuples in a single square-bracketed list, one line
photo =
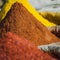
[(13, 47), (21, 22)]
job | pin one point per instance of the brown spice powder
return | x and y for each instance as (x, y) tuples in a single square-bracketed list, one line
[(20, 21), (13, 47)]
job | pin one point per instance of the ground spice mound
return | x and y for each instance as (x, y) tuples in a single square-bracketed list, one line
[(13, 47), (20, 21)]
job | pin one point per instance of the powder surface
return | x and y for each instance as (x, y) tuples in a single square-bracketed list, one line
[(20, 21), (28, 6), (13, 47)]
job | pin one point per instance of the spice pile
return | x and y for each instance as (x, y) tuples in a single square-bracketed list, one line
[(20, 21), (13, 47)]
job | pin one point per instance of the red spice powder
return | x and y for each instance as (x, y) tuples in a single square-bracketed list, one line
[(20, 21), (13, 47)]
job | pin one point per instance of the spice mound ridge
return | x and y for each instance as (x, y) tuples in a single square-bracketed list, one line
[(20, 21)]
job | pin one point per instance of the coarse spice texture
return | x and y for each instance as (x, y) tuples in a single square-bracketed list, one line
[(13, 47), (18, 20)]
